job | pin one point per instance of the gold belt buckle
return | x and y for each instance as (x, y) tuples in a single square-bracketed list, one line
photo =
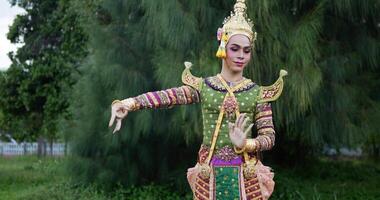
[(205, 171), (249, 168)]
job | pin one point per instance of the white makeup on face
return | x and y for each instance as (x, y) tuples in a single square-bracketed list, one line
[(238, 50)]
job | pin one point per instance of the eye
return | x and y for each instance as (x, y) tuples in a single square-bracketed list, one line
[(234, 49), (247, 50)]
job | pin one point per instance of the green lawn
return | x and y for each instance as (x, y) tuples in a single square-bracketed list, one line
[(33, 178), (328, 179), (21, 177)]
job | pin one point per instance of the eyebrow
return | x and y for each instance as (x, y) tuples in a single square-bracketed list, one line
[(240, 46)]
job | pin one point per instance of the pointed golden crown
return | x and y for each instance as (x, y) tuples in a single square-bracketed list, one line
[(238, 22)]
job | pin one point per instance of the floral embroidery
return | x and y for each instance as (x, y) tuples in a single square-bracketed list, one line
[(216, 84)]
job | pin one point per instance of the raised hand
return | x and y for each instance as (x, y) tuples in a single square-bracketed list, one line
[(118, 111), (236, 130)]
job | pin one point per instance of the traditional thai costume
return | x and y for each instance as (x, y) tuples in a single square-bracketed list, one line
[(224, 172)]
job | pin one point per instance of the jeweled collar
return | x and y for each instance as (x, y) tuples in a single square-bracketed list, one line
[(216, 84)]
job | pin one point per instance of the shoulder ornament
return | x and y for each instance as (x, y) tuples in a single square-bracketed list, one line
[(190, 79), (272, 92)]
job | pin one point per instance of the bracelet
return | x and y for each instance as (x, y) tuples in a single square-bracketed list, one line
[(250, 145), (131, 104), (239, 151), (115, 101), (242, 149)]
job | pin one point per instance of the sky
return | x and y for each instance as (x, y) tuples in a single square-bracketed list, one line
[(7, 14)]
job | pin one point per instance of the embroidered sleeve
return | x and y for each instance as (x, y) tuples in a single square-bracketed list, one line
[(168, 98), (264, 125)]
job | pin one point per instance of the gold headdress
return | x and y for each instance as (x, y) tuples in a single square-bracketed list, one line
[(236, 23)]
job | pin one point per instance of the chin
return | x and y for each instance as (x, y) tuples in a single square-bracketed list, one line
[(237, 69)]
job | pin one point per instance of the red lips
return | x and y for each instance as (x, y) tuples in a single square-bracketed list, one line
[(239, 64)]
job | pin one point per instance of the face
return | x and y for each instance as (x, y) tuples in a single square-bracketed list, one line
[(238, 51)]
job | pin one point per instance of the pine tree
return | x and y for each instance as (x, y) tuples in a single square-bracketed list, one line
[(330, 48)]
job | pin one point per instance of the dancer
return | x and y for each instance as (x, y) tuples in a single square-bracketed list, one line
[(227, 166)]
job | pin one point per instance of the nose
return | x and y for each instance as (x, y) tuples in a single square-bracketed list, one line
[(241, 55)]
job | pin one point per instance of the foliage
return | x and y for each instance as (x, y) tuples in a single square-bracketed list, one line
[(332, 52), (328, 179), (330, 48), (28, 177), (34, 90)]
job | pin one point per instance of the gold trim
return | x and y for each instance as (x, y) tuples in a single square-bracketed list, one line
[(154, 99), (253, 185), (272, 92), (263, 113), (115, 102), (198, 186), (250, 145), (189, 79), (202, 195), (265, 131)]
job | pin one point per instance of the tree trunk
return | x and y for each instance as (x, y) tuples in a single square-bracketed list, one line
[(51, 147), (24, 145), (41, 148)]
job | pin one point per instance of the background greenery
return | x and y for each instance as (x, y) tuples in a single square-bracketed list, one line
[(34, 178), (78, 56)]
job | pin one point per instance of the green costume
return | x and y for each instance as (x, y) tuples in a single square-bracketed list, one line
[(222, 171), (225, 178)]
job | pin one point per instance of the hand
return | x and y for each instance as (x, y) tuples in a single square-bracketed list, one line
[(118, 112), (236, 131)]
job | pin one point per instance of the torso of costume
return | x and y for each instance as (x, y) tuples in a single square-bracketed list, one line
[(227, 179)]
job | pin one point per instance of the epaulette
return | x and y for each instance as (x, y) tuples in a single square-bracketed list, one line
[(272, 92), (190, 79)]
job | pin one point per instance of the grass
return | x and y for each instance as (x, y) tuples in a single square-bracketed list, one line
[(29, 177), (327, 179), (21, 176)]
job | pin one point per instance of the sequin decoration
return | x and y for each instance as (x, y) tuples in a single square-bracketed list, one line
[(230, 106)]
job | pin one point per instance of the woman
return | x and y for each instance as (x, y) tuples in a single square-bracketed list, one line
[(227, 167)]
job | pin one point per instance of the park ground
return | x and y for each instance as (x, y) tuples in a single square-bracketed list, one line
[(30, 177)]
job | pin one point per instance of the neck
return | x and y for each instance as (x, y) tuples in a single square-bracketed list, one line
[(230, 76)]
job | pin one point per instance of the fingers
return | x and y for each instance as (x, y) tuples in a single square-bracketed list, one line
[(231, 126), (113, 116), (244, 123), (239, 119), (118, 125), (248, 130)]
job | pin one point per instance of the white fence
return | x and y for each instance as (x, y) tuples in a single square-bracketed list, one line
[(11, 149)]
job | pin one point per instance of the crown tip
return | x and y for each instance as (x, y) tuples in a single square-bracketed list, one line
[(283, 73), (188, 64)]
